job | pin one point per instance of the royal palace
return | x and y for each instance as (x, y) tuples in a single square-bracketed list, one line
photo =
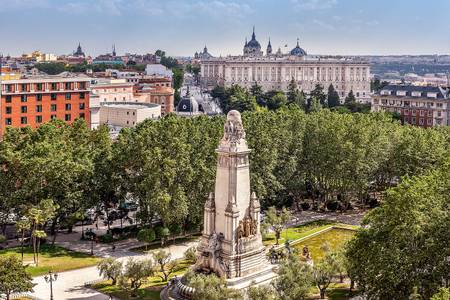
[(275, 70)]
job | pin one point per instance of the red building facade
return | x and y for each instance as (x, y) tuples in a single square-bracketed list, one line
[(34, 100)]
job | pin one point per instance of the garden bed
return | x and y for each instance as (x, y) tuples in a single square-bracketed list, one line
[(53, 258)]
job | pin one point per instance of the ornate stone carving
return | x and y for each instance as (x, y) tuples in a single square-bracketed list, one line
[(234, 132), (210, 259), (247, 228)]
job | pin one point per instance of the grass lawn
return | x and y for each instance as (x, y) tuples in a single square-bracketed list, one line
[(335, 238), (56, 259), (300, 231), (149, 291)]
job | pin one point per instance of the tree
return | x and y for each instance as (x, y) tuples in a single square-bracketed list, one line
[(212, 287), (350, 99), (333, 98), (38, 216), (277, 101), (178, 77), (319, 95), (13, 276), (147, 236), (110, 268), (324, 272), (191, 254), (294, 279), (263, 292), (256, 90), (51, 68), (442, 294), (166, 265), (407, 234), (135, 274), (315, 105), (277, 220)]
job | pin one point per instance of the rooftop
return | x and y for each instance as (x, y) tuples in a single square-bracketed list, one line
[(129, 105), (422, 91)]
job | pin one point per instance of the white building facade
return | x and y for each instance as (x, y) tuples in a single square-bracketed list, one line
[(275, 71)]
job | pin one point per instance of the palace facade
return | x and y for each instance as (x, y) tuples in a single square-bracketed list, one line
[(274, 71)]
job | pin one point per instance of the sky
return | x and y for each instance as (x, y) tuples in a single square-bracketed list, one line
[(181, 27)]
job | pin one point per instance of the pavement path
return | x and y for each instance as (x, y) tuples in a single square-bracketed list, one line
[(70, 284)]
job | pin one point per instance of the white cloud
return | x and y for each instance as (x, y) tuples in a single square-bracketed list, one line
[(313, 4), (108, 7)]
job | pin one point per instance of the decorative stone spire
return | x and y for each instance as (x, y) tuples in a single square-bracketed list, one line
[(269, 48), (253, 34), (234, 135)]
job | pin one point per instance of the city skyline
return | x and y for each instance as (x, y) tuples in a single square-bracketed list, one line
[(346, 27)]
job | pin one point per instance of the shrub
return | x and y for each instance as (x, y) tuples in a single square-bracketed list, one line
[(191, 254), (333, 205), (2, 238), (147, 236), (106, 238), (305, 206)]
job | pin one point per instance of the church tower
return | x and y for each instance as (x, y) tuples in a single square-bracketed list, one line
[(269, 49)]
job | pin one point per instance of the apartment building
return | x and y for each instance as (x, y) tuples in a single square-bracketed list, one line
[(423, 106)]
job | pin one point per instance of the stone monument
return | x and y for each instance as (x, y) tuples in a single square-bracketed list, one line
[(231, 244)]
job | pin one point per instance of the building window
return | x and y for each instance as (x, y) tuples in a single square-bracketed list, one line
[(38, 108), (8, 110), (8, 98), (67, 85), (9, 87), (68, 106), (430, 122), (23, 120), (68, 96), (134, 113), (54, 86), (82, 105), (82, 96), (23, 109), (23, 98), (68, 117), (53, 107), (24, 87), (38, 119), (38, 97), (53, 96), (82, 85), (39, 86), (53, 117), (81, 115), (8, 121), (128, 113), (413, 120)]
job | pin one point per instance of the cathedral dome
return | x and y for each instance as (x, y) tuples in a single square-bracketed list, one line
[(297, 51), (188, 105), (252, 47)]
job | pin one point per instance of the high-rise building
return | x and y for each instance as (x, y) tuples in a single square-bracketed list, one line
[(33, 100)]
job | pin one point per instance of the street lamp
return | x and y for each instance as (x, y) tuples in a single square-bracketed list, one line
[(49, 279)]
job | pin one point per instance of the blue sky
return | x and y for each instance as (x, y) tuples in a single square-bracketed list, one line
[(183, 26)]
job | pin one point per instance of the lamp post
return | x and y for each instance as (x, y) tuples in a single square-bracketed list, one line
[(49, 279)]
